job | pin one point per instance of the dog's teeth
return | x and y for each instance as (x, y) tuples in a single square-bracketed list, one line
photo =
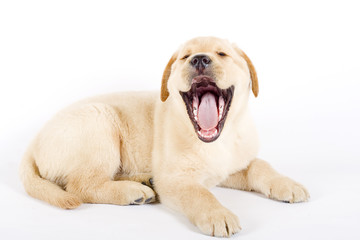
[(195, 113), (221, 102), (221, 110), (221, 107), (208, 136), (195, 102)]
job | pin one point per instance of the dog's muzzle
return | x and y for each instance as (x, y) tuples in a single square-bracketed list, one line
[(207, 105)]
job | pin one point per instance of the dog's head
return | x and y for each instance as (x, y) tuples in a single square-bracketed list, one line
[(207, 74)]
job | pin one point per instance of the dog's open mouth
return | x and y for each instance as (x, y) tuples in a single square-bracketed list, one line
[(207, 106)]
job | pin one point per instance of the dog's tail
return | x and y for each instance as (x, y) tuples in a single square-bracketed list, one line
[(42, 189)]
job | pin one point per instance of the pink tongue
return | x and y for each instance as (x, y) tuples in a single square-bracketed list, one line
[(208, 113)]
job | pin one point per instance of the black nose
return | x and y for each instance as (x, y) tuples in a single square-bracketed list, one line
[(200, 61)]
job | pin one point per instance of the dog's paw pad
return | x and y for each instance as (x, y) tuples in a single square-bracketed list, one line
[(150, 200), (139, 200), (137, 194), (146, 180)]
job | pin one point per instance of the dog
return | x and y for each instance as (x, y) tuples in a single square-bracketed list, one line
[(137, 147)]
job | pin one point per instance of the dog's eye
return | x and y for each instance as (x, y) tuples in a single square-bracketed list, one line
[(222, 54), (185, 57)]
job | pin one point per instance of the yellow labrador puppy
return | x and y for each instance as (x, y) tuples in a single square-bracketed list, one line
[(196, 135)]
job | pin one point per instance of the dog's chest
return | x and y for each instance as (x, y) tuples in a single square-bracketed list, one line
[(222, 160)]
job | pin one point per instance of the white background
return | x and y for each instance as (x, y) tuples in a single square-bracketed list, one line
[(53, 53)]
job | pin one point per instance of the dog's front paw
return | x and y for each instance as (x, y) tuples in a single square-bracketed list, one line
[(218, 222), (287, 190)]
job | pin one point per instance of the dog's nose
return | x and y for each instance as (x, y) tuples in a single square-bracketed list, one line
[(200, 61)]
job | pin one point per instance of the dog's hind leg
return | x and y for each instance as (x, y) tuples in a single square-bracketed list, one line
[(143, 178), (97, 188), (99, 147)]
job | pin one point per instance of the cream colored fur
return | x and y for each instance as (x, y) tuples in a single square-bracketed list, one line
[(101, 150)]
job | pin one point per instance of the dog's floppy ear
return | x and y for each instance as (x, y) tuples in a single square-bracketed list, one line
[(253, 75), (164, 90)]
